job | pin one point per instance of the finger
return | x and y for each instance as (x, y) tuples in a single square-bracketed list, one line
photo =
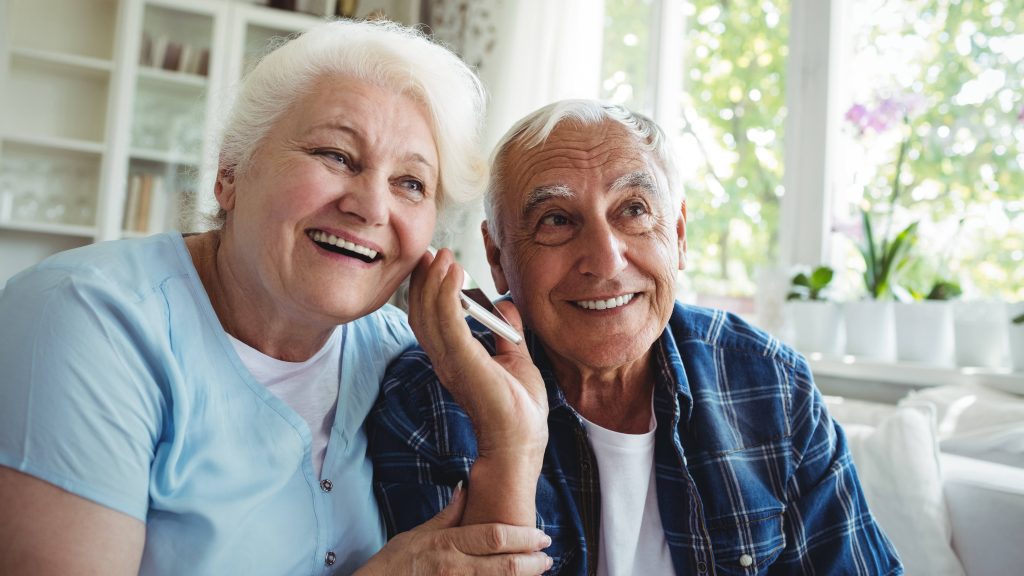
[(419, 274), (514, 564), (488, 539), (450, 517)]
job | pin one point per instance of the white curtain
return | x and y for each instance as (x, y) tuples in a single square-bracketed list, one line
[(528, 53)]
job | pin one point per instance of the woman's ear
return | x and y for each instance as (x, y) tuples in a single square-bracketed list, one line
[(494, 259), (224, 189), (681, 233)]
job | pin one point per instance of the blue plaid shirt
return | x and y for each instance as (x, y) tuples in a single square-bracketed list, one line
[(748, 462)]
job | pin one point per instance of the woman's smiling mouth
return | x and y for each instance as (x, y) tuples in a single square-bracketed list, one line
[(332, 243)]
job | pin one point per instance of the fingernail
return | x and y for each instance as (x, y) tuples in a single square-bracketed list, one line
[(545, 540), (457, 491), (550, 562)]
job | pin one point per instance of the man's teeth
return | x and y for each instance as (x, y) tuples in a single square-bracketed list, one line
[(605, 304), (333, 240)]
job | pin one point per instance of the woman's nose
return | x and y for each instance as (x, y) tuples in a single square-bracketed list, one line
[(367, 197), (602, 251)]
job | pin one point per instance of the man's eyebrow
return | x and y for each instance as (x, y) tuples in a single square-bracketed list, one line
[(542, 194), (639, 179)]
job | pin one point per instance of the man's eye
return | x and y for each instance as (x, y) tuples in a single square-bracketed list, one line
[(636, 209), (554, 220)]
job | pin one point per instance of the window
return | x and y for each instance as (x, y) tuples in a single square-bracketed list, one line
[(956, 68), (715, 74)]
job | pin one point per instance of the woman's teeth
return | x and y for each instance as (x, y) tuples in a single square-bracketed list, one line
[(605, 304), (321, 237)]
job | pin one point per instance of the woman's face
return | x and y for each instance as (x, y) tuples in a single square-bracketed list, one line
[(336, 206)]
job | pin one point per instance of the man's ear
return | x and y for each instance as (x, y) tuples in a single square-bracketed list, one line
[(224, 189), (494, 259), (681, 233)]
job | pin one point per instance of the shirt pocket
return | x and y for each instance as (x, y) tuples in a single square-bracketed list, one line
[(747, 544)]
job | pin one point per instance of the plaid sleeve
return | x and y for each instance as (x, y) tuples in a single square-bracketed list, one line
[(420, 441), (829, 529)]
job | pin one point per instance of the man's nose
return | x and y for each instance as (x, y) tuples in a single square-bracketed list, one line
[(367, 197), (602, 252)]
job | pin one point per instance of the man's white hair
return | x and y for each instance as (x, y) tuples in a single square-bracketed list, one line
[(534, 130)]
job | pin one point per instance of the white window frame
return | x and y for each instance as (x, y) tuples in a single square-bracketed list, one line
[(812, 122)]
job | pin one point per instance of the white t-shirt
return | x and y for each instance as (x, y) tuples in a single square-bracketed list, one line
[(632, 538), (310, 387)]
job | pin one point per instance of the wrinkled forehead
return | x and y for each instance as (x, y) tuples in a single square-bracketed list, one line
[(597, 156)]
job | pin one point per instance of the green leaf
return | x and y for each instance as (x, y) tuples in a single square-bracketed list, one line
[(1019, 319), (944, 290)]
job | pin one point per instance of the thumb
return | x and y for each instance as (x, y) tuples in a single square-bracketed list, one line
[(451, 516)]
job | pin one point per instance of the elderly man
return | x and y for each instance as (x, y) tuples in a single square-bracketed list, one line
[(651, 437)]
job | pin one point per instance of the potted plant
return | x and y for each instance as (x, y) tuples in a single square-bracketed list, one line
[(814, 320), (924, 325), (870, 323)]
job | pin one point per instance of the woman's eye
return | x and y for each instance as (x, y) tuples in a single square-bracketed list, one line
[(333, 155)]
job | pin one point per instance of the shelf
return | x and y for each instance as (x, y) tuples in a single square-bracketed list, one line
[(55, 142), (49, 228), (172, 78), (914, 375), (60, 59), (163, 157)]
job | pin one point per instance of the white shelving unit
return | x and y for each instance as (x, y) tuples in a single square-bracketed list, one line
[(90, 118)]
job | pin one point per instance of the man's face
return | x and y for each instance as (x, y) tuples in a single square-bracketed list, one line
[(590, 244)]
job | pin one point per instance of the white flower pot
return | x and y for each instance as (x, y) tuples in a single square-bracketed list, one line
[(924, 332), (1016, 337), (815, 326), (982, 334), (870, 329)]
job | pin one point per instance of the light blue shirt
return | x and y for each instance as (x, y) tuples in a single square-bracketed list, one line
[(118, 384)]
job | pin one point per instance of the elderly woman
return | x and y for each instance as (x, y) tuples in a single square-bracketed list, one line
[(196, 405)]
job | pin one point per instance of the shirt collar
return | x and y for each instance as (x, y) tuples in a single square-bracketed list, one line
[(671, 376)]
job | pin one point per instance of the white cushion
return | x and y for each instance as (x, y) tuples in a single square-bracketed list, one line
[(896, 456), (986, 505), (978, 421)]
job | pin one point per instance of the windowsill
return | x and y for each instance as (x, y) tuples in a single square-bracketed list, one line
[(913, 375)]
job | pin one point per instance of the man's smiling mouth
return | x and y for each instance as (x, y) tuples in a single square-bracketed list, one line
[(332, 243), (605, 304)]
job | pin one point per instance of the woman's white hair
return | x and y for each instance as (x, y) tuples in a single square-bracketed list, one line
[(534, 130), (382, 53)]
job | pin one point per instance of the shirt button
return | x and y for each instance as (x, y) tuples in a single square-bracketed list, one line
[(702, 567), (329, 559), (326, 485), (746, 560)]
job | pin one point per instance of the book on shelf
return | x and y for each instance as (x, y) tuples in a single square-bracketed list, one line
[(172, 57), (145, 208), (131, 202), (158, 53)]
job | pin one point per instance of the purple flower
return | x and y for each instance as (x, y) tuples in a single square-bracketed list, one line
[(1020, 116)]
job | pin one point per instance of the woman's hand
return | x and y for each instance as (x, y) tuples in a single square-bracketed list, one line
[(439, 546), (503, 395)]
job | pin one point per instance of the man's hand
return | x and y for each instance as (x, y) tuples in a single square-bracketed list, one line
[(503, 395), (438, 546)]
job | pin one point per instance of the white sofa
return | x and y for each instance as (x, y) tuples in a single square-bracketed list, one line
[(947, 513)]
